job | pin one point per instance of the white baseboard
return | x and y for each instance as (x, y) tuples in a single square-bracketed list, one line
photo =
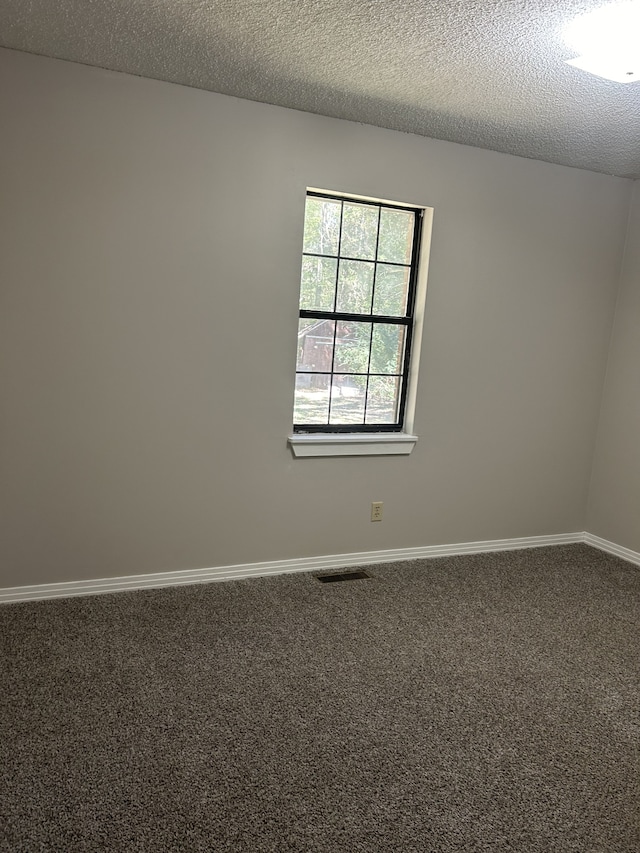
[(277, 567), (611, 548)]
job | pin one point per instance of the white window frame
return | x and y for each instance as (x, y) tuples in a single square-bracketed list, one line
[(380, 443)]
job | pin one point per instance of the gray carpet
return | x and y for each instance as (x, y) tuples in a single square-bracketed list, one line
[(477, 703)]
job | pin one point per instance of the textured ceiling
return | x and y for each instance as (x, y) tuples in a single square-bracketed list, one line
[(488, 73)]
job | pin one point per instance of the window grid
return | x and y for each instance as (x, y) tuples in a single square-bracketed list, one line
[(405, 321), (371, 304), (335, 305)]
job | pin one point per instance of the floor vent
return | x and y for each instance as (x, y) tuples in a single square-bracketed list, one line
[(342, 576)]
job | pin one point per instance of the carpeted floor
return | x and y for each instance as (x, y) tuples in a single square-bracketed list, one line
[(477, 703)]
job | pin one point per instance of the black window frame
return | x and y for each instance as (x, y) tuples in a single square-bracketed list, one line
[(407, 320)]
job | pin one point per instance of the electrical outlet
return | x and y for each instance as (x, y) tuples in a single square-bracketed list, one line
[(376, 511)]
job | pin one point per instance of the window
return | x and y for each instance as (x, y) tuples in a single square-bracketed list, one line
[(357, 306)]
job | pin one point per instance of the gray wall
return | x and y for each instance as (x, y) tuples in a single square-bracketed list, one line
[(614, 510), (150, 252)]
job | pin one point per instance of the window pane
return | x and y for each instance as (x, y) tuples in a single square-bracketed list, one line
[(352, 347), (315, 345), (357, 262), (321, 226), (318, 286), (387, 348), (383, 397), (359, 231), (355, 286), (396, 236), (347, 399), (392, 288), (312, 399)]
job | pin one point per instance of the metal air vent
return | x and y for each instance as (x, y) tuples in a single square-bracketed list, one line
[(342, 576)]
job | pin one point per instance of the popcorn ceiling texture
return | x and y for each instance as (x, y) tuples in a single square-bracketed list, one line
[(489, 73)]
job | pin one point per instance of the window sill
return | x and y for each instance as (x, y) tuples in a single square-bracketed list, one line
[(352, 444)]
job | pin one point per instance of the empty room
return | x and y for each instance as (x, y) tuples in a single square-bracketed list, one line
[(319, 426)]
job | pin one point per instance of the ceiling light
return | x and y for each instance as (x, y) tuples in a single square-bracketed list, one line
[(611, 68), (608, 40)]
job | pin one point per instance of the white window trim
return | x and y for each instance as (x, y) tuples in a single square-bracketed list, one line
[(384, 443), (352, 444)]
